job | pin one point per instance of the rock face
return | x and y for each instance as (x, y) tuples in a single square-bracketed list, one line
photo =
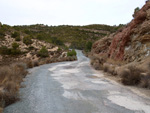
[(130, 43)]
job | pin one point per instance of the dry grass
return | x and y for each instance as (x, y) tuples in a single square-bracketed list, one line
[(116, 62), (10, 79), (35, 63)]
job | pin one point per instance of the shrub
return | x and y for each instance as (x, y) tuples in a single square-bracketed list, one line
[(72, 53), (15, 45), (131, 75), (43, 52), (15, 34), (97, 65), (135, 11), (27, 31), (2, 34), (10, 80), (15, 49), (145, 81), (30, 48), (29, 63), (40, 37), (59, 49), (17, 38), (27, 40), (105, 67), (5, 51), (88, 46), (57, 41), (10, 51), (35, 63)]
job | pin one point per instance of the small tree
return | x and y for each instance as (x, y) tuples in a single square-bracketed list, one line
[(43, 52), (135, 11)]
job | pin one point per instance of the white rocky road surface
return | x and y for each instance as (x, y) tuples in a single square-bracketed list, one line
[(74, 87)]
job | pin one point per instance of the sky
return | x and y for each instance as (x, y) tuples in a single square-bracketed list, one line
[(67, 12)]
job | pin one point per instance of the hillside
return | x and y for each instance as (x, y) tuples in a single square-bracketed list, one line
[(56, 39), (75, 36), (125, 53)]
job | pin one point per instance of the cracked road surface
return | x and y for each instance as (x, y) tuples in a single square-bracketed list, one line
[(74, 87)]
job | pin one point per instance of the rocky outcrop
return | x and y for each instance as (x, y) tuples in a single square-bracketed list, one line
[(126, 53), (130, 43)]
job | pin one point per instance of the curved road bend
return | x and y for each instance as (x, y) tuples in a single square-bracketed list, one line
[(74, 87)]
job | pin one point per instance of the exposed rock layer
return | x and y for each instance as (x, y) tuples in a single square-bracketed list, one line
[(131, 43)]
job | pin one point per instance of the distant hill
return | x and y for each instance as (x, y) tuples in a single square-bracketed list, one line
[(76, 36)]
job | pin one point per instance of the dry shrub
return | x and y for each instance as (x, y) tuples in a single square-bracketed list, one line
[(131, 75), (10, 79), (109, 68), (97, 65), (105, 67), (48, 60), (35, 63), (29, 64), (145, 81), (116, 70), (98, 61)]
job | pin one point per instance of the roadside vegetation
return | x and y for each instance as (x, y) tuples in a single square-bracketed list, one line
[(128, 74), (11, 77)]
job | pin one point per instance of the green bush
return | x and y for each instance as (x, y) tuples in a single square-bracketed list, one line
[(57, 41), (15, 45), (2, 34), (88, 46), (17, 38), (10, 51), (27, 31), (72, 53), (39, 36), (5, 51), (30, 48), (27, 40), (59, 49), (15, 34), (15, 49), (43, 52), (135, 11)]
